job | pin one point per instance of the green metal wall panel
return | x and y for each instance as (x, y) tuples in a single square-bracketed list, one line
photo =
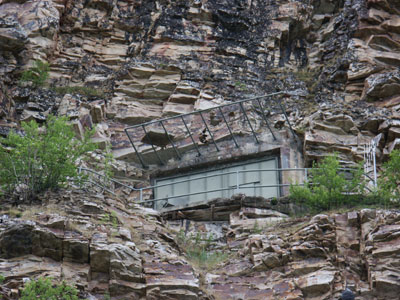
[(249, 183)]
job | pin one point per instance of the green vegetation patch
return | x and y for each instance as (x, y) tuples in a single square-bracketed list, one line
[(389, 182), (241, 86), (329, 186), (110, 218), (41, 159), (44, 289), (37, 74), (197, 249)]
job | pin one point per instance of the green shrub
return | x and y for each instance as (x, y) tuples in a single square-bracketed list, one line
[(2, 278), (43, 289), (241, 86), (37, 74), (329, 187), (389, 183), (107, 168), (41, 158), (114, 219), (274, 201), (107, 296)]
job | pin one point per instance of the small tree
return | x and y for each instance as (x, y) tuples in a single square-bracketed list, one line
[(43, 289), (37, 74), (389, 183), (329, 185), (41, 158)]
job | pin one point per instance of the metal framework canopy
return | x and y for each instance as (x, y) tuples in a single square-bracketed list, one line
[(203, 127)]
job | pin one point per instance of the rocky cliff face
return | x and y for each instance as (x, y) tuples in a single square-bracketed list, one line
[(119, 63), (149, 60), (98, 245), (105, 247)]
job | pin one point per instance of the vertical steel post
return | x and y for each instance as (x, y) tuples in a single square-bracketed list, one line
[(136, 151), (248, 121), (365, 163), (237, 182), (374, 162), (208, 129), (191, 136), (229, 128), (266, 119), (151, 143), (170, 140), (287, 120)]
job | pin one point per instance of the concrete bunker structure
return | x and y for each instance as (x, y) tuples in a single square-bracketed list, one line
[(218, 152)]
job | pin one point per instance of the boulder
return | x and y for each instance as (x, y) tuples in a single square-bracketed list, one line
[(99, 253), (48, 242), (75, 248), (266, 261), (157, 136), (16, 240), (125, 262), (22, 23), (316, 283), (381, 86)]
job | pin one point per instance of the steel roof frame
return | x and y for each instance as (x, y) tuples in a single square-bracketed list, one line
[(200, 113)]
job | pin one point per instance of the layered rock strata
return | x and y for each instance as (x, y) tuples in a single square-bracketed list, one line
[(99, 246), (152, 60), (104, 247)]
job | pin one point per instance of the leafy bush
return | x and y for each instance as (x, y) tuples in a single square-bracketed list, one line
[(43, 289), (389, 183), (329, 187), (41, 158), (37, 74), (107, 296)]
